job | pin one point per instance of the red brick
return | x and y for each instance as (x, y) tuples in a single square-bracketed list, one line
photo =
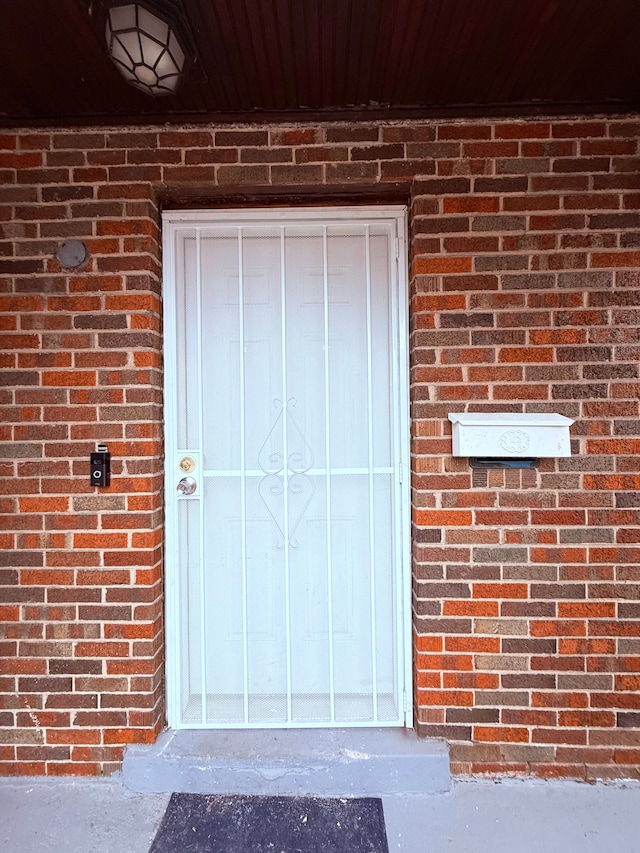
[(470, 204), (442, 265), (500, 590), (529, 355), (578, 130), (615, 259), (428, 644), (442, 518), (489, 645), (470, 608), (586, 647), (558, 628), (501, 734), (627, 756), (69, 736), (586, 610), (445, 662), (453, 698), (523, 130), (102, 650), (596, 719)]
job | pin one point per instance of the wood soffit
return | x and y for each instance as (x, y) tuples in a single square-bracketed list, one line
[(296, 60)]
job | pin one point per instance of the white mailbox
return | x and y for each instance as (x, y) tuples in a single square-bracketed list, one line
[(510, 434)]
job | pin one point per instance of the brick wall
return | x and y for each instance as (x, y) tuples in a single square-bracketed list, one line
[(525, 297), (81, 604), (525, 259)]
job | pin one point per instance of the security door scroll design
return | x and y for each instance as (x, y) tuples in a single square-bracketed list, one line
[(286, 472)]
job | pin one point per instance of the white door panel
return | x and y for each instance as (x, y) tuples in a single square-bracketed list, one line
[(287, 601)]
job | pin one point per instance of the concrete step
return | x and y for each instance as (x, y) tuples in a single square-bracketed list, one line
[(293, 762)]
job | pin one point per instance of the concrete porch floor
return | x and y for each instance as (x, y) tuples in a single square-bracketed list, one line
[(474, 816)]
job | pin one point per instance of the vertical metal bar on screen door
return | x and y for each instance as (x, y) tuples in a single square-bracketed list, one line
[(203, 597), (285, 442), (243, 483), (325, 292), (400, 455), (372, 552)]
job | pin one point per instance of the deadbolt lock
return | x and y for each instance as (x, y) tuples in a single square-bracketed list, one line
[(187, 464)]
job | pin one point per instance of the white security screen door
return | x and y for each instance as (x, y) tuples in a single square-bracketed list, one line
[(286, 440)]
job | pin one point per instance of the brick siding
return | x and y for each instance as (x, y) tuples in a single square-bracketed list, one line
[(525, 274)]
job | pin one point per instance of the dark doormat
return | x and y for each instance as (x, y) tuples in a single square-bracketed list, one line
[(203, 823)]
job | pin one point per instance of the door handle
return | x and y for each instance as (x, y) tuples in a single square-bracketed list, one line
[(187, 486)]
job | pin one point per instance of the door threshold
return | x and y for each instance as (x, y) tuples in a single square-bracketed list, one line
[(351, 762)]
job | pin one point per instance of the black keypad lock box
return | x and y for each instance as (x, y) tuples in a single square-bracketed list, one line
[(101, 466)]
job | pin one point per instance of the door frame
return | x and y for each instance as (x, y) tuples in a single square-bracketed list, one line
[(172, 221)]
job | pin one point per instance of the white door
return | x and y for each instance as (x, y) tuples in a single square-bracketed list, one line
[(286, 440)]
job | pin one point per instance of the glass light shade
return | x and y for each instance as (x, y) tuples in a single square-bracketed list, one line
[(144, 49)]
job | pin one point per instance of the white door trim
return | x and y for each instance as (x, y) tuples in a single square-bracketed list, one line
[(173, 221)]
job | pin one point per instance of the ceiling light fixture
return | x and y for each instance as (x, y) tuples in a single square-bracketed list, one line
[(145, 48)]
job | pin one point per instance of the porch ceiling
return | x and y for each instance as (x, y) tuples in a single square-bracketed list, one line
[(272, 60)]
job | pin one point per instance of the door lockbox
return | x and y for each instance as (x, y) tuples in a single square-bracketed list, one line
[(101, 466)]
